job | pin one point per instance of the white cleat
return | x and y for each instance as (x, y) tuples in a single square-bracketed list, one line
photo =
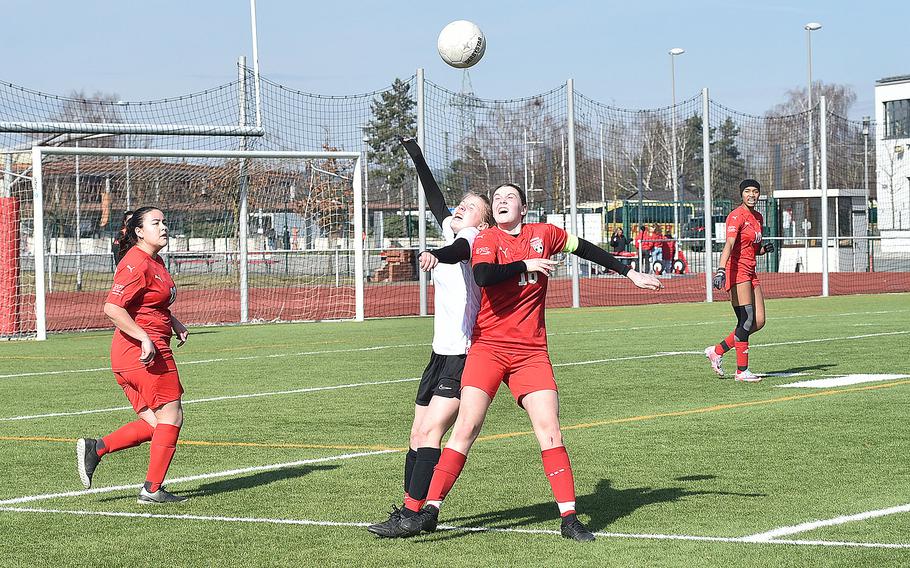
[(715, 360), (746, 376)]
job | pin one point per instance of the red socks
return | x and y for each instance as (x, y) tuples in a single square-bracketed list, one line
[(445, 473), (127, 436), (742, 355), (164, 444), (725, 345), (559, 473)]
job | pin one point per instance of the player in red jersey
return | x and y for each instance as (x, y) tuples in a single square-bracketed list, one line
[(141, 356), (737, 275), (509, 344)]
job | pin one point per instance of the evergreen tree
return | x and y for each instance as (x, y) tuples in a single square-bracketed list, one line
[(728, 168), (393, 116)]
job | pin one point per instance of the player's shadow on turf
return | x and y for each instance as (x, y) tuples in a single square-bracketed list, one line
[(794, 370), (240, 483), (604, 506)]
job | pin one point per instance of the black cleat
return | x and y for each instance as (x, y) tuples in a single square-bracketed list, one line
[(86, 459), (424, 521), (388, 528), (573, 529), (159, 497)]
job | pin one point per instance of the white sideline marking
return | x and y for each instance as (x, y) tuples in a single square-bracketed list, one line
[(380, 347), (841, 381), (568, 364), (223, 359), (214, 399), (308, 522), (228, 473), (812, 525), (824, 339)]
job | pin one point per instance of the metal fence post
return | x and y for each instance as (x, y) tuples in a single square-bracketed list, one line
[(421, 199), (823, 158), (709, 210), (573, 194)]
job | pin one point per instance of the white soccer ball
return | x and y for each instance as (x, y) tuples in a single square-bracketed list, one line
[(461, 44)]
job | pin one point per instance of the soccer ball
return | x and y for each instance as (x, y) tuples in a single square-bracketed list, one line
[(461, 44)]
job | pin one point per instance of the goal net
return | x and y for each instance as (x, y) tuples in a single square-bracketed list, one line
[(254, 235)]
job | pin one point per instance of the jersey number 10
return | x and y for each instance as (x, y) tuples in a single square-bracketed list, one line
[(526, 278)]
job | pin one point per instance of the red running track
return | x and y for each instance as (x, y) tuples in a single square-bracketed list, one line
[(82, 310)]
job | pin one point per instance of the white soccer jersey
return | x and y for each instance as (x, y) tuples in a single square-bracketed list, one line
[(457, 298)]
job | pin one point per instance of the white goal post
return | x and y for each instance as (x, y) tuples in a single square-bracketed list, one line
[(354, 242)]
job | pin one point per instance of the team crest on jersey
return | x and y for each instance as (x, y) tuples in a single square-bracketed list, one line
[(537, 245)]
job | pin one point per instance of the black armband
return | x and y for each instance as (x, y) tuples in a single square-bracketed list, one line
[(488, 273), (435, 200), (453, 253), (594, 253)]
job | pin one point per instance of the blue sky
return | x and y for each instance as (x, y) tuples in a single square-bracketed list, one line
[(748, 53)]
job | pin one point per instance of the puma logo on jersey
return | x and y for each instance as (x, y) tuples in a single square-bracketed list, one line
[(158, 277), (128, 267), (503, 252), (537, 245)]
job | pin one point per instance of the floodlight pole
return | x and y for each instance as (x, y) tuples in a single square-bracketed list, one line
[(673, 53), (811, 27)]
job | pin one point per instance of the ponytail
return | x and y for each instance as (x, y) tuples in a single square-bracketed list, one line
[(129, 238)]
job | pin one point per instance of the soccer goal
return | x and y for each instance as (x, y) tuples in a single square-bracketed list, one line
[(254, 235)]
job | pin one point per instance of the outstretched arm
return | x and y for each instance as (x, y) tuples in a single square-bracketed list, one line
[(431, 189), (594, 253)]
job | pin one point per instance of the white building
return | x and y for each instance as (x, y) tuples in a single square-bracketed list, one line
[(892, 151)]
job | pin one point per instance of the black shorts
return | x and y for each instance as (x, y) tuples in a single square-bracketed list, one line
[(442, 377)]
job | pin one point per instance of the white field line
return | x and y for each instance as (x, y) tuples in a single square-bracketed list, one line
[(215, 399), (812, 525), (381, 347), (227, 473), (307, 522), (227, 359), (567, 364)]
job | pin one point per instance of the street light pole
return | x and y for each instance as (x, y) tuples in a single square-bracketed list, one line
[(673, 53), (811, 27)]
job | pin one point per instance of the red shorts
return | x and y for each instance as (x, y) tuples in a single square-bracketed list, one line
[(741, 276), (523, 372), (150, 387)]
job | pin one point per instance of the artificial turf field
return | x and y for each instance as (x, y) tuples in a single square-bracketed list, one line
[(294, 440)]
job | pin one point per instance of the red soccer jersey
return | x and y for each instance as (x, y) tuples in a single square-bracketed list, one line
[(512, 311), (746, 226), (143, 286)]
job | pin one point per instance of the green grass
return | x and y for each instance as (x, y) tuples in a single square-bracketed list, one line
[(658, 445)]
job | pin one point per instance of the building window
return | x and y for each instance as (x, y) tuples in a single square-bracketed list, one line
[(897, 119)]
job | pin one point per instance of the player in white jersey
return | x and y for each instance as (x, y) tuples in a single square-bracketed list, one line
[(456, 302)]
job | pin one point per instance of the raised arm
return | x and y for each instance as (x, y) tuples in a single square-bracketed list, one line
[(592, 252), (435, 200)]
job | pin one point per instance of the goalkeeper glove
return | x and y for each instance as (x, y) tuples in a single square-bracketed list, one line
[(720, 278)]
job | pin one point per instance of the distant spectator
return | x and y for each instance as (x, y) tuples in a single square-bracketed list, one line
[(668, 246), (657, 252), (618, 241)]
